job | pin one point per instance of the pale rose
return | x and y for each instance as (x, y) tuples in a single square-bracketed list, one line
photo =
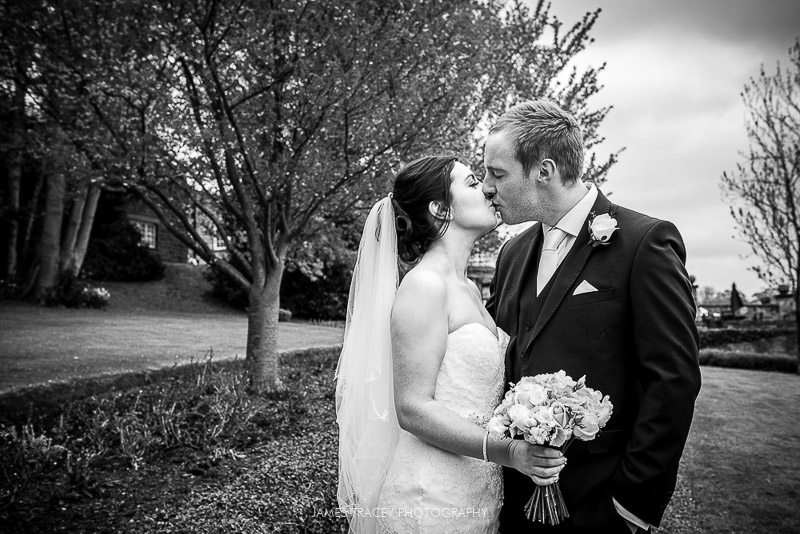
[(587, 427), (603, 226), (496, 427), (560, 414), (518, 413)]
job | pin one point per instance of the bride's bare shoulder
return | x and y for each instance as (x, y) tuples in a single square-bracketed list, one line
[(422, 279), (422, 291), (419, 313)]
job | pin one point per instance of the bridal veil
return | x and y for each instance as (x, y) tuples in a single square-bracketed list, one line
[(365, 413)]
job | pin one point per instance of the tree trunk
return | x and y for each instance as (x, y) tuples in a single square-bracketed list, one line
[(32, 210), (797, 322), (262, 333), (50, 243), (14, 180), (76, 241), (87, 222), (73, 225)]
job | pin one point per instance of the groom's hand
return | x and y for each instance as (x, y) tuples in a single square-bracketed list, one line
[(542, 464)]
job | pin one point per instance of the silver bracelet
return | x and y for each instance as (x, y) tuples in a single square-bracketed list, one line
[(485, 443)]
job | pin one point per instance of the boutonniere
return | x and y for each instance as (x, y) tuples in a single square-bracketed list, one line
[(601, 227)]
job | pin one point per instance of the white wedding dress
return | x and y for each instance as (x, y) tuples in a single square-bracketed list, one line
[(429, 490)]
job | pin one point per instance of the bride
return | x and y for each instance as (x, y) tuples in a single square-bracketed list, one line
[(422, 366)]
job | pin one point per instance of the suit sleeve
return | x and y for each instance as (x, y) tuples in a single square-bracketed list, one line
[(666, 347)]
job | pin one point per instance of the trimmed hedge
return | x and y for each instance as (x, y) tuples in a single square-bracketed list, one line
[(713, 337), (748, 360)]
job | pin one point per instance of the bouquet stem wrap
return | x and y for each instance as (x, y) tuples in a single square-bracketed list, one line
[(546, 505)]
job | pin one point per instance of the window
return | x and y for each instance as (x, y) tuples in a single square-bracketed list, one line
[(218, 244), (149, 233)]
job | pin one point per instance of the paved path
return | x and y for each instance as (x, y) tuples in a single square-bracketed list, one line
[(45, 345)]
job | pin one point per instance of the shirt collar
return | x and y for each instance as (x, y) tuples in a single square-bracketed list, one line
[(573, 220)]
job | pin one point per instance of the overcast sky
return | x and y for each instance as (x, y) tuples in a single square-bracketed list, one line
[(674, 73)]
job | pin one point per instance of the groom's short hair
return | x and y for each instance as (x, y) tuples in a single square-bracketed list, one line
[(540, 130)]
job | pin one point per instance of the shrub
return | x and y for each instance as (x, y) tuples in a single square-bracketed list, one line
[(24, 457), (723, 336), (95, 297), (748, 360), (322, 298), (115, 252), (74, 293), (197, 411), (9, 289), (226, 289)]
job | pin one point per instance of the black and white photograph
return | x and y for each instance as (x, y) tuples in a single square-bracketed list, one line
[(407, 266)]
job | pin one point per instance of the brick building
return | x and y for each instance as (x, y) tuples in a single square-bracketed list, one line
[(154, 235)]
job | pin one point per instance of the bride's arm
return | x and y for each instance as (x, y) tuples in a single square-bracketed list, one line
[(419, 340)]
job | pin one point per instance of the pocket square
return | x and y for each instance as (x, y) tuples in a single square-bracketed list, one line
[(584, 287)]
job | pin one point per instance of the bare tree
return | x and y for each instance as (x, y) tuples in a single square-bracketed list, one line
[(764, 188)]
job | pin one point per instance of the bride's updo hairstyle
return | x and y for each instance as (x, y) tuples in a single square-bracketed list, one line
[(418, 184)]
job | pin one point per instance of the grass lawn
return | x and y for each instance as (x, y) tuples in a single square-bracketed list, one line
[(277, 471), (741, 468), (39, 345)]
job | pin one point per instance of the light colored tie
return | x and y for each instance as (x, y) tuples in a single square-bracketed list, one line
[(548, 263)]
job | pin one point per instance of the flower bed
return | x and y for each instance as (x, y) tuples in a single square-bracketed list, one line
[(131, 460)]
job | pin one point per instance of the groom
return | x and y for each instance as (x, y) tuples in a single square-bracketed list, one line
[(610, 301)]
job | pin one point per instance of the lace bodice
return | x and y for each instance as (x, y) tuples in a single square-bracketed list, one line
[(431, 490), (470, 380)]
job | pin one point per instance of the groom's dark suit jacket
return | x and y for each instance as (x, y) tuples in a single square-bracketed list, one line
[(635, 339)]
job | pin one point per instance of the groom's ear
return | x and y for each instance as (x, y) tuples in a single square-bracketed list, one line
[(438, 211), (547, 170)]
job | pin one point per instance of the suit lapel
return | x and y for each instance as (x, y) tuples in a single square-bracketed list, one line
[(571, 268)]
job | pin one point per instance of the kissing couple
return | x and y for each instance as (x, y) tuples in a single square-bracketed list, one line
[(592, 288)]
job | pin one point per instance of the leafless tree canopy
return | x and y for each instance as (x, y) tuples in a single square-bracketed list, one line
[(764, 188)]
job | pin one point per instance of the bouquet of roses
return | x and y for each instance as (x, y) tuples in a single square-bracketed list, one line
[(550, 410)]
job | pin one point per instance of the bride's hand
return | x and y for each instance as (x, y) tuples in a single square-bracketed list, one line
[(542, 464)]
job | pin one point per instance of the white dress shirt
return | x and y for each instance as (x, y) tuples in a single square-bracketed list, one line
[(572, 222)]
